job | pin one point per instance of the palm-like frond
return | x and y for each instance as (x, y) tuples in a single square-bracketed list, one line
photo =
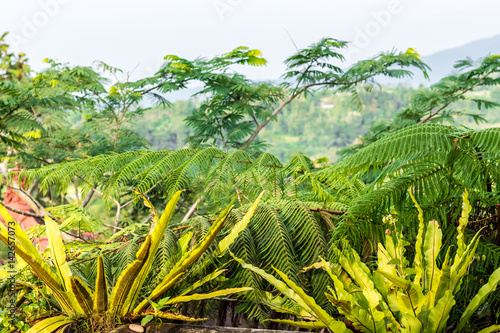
[(210, 170)]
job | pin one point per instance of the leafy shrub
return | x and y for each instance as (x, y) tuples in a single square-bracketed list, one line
[(394, 297), (76, 299)]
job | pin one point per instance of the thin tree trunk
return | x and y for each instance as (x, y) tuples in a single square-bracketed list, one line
[(87, 198), (117, 218), (191, 210)]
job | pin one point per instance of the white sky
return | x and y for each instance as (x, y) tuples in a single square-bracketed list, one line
[(129, 34)]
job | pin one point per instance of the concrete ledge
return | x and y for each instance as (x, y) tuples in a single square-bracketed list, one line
[(177, 328)]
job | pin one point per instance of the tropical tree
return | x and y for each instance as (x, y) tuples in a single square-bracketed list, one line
[(238, 109), (21, 99), (438, 103)]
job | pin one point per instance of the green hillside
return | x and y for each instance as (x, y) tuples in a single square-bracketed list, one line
[(316, 126)]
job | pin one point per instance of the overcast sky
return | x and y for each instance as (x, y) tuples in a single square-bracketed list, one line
[(137, 34)]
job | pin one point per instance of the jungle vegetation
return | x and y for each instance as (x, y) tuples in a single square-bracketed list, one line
[(333, 122), (422, 182)]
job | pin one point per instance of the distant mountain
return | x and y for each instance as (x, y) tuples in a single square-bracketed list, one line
[(442, 62)]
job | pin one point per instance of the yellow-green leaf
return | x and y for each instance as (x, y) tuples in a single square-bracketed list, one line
[(198, 297), (479, 298), (462, 224), (353, 265), (295, 293), (419, 259), (83, 294), (280, 285), (148, 204), (412, 299), (490, 329), (439, 314), (101, 288), (51, 324), (444, 278), (333, 325), (4, 274), (126, 280), (461, 266), (187, 259), (157, 292), (432, 245), (310, 325), (155, 235), (239, 227), (20, 236), (278, 304), (201, 282), (26, 251), (184, 241), (58, 252)]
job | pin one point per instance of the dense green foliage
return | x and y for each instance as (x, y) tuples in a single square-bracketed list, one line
[(332, 122), (94, 174), (77, 300), (388, 299)]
